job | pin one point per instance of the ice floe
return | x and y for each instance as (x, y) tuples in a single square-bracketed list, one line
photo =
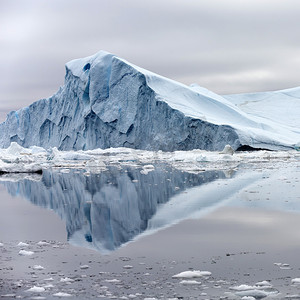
[(26, 253), (192, 274)]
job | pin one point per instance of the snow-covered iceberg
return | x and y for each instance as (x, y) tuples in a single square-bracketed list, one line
[(109, 102)]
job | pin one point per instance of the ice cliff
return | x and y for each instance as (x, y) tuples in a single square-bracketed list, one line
[(108, 102)]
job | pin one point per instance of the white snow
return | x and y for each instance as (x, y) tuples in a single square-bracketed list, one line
[(192, 274), (26, 253)]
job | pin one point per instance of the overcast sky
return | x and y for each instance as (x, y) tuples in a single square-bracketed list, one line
[(227, 46)]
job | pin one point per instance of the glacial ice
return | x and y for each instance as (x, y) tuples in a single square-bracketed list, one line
[(109, 102)]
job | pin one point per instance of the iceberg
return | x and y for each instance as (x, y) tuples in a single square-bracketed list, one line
[(108, 102)]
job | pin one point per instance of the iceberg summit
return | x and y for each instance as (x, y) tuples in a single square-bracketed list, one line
[(108, 102)]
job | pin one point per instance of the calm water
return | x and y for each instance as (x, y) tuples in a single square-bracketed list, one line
[(236, 224)]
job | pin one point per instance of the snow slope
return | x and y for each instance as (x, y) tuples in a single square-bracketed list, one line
[(109, 102)]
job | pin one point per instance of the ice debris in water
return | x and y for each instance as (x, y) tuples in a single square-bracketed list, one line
[(38, 267), (36, 289), (190, 282), (21, 244), (62, 294), (26, 253), (43, 243), (84, 267), (66, 279), (228, 150), (296, 280), (192, 274)]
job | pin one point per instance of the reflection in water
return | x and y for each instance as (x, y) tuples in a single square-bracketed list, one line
[(108, 209)]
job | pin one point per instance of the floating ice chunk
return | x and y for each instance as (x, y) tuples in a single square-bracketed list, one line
[(190, 282), (127, 267), (242, 287), (296, 280), (48, 286), (192, 274), (131, 296), (62, 294), (84, 267), (263, 284), (248, 298), (43, 243), (8, 296), (21, 244), (38, 267), (150, 299), (48, 279), (26, 253), (1, 244), (66, 279), (227, 150), (112, 280), (36, 289), (255, 293)]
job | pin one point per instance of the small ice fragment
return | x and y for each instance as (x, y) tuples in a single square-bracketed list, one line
[(248, 298), (43, 243), (48, 286), (21, 244), (127, 267), (26, 253), (1, 245), (227, 150), (263, 284), (36, 289), (49, 279), (8, 296), (66, 279), (131, 296), (296, 280), (38, 267), (84, 267), (112, 280), (190, 282), (62, 294), (150, 299), (257, 294), (242, 287), (192, 274), (38, 298)]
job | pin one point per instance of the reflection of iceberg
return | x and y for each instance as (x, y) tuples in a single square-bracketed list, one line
[(106, 210)]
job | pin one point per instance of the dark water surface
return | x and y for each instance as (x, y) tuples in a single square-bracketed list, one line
[(141, 228)]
